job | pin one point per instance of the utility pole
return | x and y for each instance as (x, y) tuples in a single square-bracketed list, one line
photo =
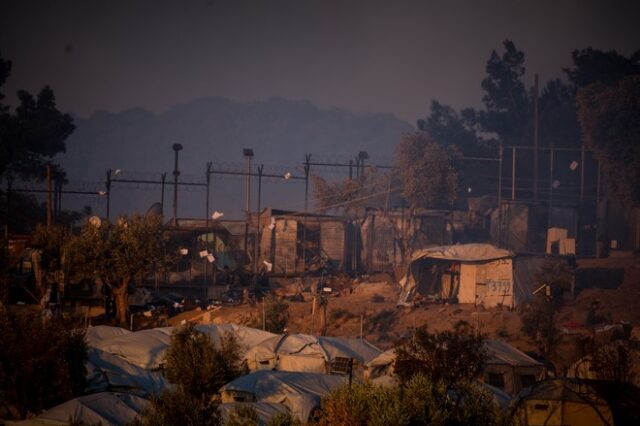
[(248, 155), (535, 138), (307, 167), (581, 211), (49, 196), (513, 173), (108, 186), (206, 216), (550, 186), (176, 148), (256, 245), (163, 179)]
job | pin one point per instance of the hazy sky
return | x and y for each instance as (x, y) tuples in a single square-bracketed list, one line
[(374, 56)]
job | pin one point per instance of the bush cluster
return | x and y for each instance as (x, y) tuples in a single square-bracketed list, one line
[(41, 362)]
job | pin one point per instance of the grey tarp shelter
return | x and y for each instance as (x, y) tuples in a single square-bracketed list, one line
[(515, 368), (508, 368), (105, 408), (307, 353), (300, 392), (147, 348)]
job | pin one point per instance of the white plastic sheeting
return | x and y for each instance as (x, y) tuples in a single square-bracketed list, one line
[(106, 371), (300, 392), (100, 333), (306, 353), (500, 353), (503, 353), (105, 408), (463, 253), (147, 348)]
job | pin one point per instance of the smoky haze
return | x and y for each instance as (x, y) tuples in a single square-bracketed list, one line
[(390, 58)]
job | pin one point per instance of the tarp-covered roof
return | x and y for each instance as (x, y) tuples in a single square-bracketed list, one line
[(463, 253), (300, 392), (273, 386), (147, 348), (105, 408), (499, 353), (106, 371), (503, 353), (307, 348), (99, 333)]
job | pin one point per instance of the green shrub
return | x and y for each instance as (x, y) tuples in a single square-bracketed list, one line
[(363, 404), (418, 402), (41, 363), (283, 419), (243, 415), (198, 370), (276, 314), (178, 408), (447, 356), (196, 365)]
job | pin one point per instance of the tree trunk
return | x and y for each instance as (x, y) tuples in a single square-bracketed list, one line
[(38, 273), (121, 294)]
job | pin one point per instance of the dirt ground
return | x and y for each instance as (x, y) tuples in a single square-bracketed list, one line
[(369, 305)]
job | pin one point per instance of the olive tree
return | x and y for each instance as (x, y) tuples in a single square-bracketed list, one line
[(121, 252)]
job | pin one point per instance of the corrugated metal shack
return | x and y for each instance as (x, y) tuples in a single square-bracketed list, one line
[(288, 237)]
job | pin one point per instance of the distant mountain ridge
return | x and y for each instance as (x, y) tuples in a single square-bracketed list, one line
[(280, 131)]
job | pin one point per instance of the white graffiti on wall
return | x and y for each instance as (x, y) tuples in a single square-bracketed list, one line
[(498, 287)]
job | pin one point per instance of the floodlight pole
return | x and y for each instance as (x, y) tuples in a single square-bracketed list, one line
[(256, 243), (206, 216), (550, 187), (307, 167), (248, 155), (176, 148), (163, 178), (108, 185)]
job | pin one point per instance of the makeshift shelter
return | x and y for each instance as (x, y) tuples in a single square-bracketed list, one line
[(579, 402), (379, 369), (99, 333), (146, 348), (264, 410), (470, 273), (108, 372), (300, 392), (306, 353), (105, 408), (584, 367), (508, 368)]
